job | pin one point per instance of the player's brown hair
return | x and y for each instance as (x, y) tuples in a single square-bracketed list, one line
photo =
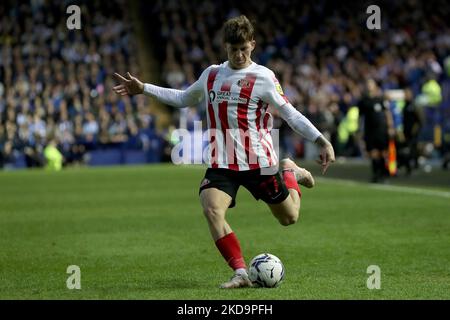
[(237, 30)]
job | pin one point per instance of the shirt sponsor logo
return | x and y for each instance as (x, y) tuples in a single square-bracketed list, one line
[(226, 96)]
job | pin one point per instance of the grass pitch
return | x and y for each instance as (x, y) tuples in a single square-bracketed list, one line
[(139, 233)]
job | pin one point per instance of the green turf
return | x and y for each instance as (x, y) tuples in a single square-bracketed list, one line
[(138, 233)]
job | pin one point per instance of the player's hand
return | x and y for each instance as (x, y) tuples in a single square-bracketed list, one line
[(128, 85), (326, 156)]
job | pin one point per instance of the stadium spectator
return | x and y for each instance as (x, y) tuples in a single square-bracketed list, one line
[(322, 58), (53, 157), (54, 83)]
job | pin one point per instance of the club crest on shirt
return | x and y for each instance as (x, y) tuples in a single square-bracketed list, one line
[(243, 83)]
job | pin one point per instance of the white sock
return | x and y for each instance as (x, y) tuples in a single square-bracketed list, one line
[(240, 271)]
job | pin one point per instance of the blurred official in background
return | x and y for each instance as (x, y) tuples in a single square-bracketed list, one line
[(378, 128)]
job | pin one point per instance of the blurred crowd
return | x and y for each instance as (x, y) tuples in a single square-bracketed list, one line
[(321, 51), (55, 83)]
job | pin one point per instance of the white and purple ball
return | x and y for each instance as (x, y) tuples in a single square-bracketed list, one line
[(266, 270)]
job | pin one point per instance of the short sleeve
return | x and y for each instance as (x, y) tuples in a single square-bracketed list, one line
[(273, 93)]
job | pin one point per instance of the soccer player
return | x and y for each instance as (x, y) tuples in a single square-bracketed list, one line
[(237, 94)]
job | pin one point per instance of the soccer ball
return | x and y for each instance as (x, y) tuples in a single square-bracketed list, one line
[(266, 270)]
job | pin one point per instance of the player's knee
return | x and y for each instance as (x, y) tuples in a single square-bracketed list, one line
[(289, 219)]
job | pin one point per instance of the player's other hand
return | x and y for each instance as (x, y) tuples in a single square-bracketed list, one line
[(326, 155), (128, 85)]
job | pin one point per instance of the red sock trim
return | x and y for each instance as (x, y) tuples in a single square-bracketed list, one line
[(291, 182), (230, 249)]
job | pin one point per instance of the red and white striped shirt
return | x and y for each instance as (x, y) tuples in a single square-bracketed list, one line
[(237, 116), (239, 124)]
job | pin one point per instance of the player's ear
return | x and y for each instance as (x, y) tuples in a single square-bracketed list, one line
[(253, 43)]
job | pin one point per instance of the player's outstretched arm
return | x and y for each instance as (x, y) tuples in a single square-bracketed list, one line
[(130, 85)]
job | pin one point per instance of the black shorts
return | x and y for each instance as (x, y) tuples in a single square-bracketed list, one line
[(377, 141), (269, 188)]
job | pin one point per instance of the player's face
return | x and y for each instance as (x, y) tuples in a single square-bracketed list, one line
[(239, 55)]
